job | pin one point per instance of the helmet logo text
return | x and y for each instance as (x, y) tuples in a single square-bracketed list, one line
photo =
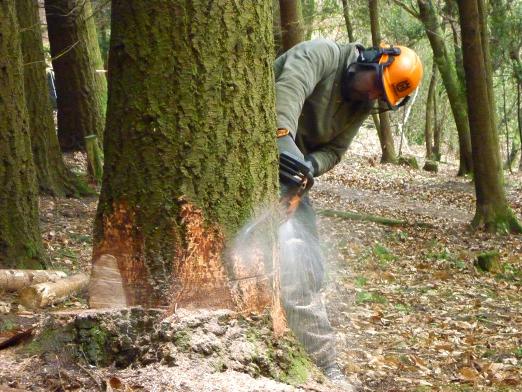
[(402, 86)]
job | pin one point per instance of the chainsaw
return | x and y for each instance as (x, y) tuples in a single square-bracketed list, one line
[(297, 177)]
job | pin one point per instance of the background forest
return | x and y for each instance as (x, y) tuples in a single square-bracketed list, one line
[(137, 140)]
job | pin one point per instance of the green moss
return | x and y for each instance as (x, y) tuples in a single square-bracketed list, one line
[(364, 297), (7, 325), (49, 341), (298, 371), (182, 340), (93, 343)]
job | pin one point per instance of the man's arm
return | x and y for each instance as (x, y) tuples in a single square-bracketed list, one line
[(304, 67)]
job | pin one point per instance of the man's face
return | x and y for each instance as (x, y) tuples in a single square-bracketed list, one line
[(363, 84)]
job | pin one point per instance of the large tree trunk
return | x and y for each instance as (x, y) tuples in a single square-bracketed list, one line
[(53, 177), (186, 163), (451, 82), (384, 129), (492, 209), (291, 23), (76, 58), (429, 124), (20, 242), (348, 21)]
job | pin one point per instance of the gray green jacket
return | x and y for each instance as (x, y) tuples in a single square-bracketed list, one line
[(309, 102)]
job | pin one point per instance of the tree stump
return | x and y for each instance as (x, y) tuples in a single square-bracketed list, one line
[(409, 160), (431, 166), (488, 262)]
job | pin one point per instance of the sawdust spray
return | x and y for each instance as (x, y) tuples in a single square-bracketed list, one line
[(291, 245)]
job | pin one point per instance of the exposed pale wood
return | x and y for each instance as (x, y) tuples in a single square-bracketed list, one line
[(106, 286), (13, 279), (44, 294)]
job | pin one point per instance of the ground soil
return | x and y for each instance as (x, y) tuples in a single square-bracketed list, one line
[(412, 311)]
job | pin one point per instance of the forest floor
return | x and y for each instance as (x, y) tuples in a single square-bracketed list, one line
[(412, 311)]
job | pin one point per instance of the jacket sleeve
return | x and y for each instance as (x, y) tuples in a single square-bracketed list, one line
[(297, 74), (329, 155)]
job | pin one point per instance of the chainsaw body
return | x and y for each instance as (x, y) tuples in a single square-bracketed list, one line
[(297, 176)]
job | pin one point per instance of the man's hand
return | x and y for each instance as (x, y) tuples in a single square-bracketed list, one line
[(295, 174)]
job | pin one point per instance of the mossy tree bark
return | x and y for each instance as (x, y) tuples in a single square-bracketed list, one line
[(492, 209), (189, 147), (76, 57), (446, 66), (429, 123), (291, 23), (20, 242), (53, 177), (384, 126)]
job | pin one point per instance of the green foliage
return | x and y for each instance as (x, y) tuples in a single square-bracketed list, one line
[(403, 308), (364, 297), (383, 254), (361, 281), (7, 325), (182, 340)]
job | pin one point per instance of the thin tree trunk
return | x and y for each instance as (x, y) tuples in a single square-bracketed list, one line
[(348, 21), (509, 157), (309, 10), (76, 58), (519, 122), (20, 242), (53, 177), (492, 209), (437, 131), (429, 124), (451, 82), (183, 164), (384, 131), (291, 23)]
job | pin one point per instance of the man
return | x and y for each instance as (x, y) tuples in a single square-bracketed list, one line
[(324, 91)]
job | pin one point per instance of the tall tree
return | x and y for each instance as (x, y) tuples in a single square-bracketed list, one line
[(76, 58), (384, 124), (348, 21), (446, 66), (192, 154), (309, 8), (20, 242), (53, 177), (492, 209), (291, 23)]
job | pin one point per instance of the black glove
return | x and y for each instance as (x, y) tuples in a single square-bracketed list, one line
[(295, 173)]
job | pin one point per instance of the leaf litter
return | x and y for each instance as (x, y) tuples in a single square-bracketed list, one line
[(411, 311)]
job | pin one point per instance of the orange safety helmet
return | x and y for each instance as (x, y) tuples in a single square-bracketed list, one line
[(401, 73)]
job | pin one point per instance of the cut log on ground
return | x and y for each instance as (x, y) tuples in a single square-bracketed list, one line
[(13, 280), (44, 294), (371, 218)]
